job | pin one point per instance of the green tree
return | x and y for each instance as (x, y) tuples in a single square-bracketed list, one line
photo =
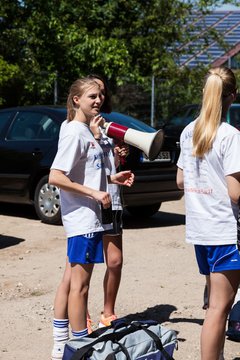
[(126, 40)]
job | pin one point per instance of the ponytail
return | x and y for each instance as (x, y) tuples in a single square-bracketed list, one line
[(210, 116), (71, 111), (219, 83)]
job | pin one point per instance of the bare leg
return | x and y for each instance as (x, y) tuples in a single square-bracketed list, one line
[(60, 323), (61, 298), (113, 255), (78, 296), (223, 287), (208, 289), (206, 293)]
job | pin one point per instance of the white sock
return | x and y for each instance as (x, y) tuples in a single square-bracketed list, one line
[(79, 334), (60, 335)]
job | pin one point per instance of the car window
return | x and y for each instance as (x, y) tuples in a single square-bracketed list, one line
[(33, 126), (4, 117), (128, 121), (234, 113), (184, 116)]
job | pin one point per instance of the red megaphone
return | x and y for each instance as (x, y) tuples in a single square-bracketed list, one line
[(149, 143)]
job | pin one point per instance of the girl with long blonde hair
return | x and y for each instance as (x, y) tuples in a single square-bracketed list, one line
[(209, 173)]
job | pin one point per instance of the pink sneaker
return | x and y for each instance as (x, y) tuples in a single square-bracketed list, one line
[(106, 321)]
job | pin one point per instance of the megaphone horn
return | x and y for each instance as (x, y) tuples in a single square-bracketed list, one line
[(149, 143)]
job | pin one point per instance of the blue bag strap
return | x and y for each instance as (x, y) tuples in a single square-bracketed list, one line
[(112, 356), (83, 352), (118, 324), (123, 322), (115, 324)]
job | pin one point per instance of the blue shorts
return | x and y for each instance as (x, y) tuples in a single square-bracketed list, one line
[(217, 258), (117, 223), (85, 249)]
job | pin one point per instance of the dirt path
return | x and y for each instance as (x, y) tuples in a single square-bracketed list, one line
[(160, 281)]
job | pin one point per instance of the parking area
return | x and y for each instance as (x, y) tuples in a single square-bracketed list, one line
[(160, 281)]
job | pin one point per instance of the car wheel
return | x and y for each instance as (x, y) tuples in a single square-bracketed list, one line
[(47, 202), (143, 210)]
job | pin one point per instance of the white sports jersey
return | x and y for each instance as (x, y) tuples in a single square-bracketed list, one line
[(210, 214), (82, 159)]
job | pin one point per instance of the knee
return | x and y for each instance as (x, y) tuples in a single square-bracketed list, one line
[(115, 263), (84, 290), (220, 310), (80, 289)]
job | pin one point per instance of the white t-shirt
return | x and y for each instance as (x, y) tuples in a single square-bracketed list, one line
[(113, 189), (210, 214), (82, 159)]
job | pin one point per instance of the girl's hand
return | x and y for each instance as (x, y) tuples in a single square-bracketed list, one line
[(102, 197), (95, 125), (123, 178), (122, 150)]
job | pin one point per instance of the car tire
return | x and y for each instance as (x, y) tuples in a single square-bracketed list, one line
[(47, 202), (143, 210)]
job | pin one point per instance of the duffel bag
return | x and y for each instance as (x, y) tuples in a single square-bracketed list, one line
[(123, 340)]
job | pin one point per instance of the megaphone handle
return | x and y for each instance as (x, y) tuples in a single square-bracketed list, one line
[(121, 158), (122, 162)]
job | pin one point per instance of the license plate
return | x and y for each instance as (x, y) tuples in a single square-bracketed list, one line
[(164, 156)]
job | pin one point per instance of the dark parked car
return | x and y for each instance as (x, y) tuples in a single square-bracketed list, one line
[(175, 125), (28, 143), (190, 112)]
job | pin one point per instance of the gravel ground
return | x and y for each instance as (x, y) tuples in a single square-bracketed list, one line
[(160, 281)]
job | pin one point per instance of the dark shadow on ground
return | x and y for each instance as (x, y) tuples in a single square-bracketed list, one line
[(160, 219), (7, 241), (161, 313), (18, 210)]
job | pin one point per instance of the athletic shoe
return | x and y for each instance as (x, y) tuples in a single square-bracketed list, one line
[(89, 324), (106, 321), (57, 352)]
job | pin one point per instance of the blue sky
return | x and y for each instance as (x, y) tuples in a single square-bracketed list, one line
[(223, 7), (228, 7)]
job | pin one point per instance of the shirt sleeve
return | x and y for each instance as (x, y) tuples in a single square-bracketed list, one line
[(180, 159), (69, 150), (231, 151), (180, 162)]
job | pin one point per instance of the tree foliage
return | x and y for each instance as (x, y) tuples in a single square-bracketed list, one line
[(126, 40)]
